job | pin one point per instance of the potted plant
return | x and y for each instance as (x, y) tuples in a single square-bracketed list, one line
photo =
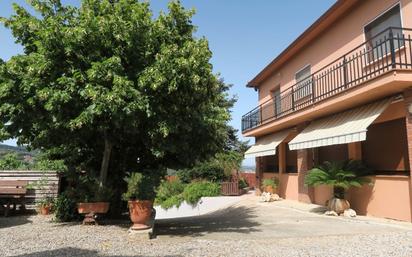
[(93, 201), (140, 195), (341, 175), (45, 205), (270, 185), (243, 185)]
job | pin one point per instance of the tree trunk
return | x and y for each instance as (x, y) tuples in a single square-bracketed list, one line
[(105, 162)]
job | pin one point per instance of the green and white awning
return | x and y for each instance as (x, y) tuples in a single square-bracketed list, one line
[(342, 128), (266, 145)]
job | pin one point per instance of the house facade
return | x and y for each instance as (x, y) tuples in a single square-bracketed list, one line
[(342, 90)]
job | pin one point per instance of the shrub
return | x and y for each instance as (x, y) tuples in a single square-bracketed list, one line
[(10, 161), (140, 187), (65, 208), (43, 163), (229, 161), (169, 194), (341, 175), (273, 182), (242, 183), (211, 171), (215, 169), (88, 190), (196, 190)]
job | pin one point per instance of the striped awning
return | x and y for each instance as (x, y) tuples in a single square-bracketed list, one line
[(266, 145), (342, 128)]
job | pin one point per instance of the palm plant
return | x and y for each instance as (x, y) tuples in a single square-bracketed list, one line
[(341, 175)]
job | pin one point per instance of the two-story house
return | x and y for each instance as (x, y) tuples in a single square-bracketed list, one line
[(342, 90)]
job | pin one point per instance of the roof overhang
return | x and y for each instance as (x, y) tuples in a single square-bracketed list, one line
[(325, 21)]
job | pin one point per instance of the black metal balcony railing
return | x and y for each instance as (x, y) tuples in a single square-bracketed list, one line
[(390, 49)]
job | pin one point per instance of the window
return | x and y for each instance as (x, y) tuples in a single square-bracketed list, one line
[(385, 150), (304, 83), (270, 164), (276, 101), (378, 39)]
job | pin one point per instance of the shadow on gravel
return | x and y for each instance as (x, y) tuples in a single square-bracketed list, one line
[(103, 220), (74, 252), (319, 210), (12, 221), (233, 219)]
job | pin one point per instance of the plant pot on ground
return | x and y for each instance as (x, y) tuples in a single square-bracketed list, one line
[(94, 201), (340, 175), (243, 185), (270, 185), (45, 205), (140, 196)]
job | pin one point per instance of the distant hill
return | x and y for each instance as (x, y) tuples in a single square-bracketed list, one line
[(248, 168), (21, 151), (13, 148)]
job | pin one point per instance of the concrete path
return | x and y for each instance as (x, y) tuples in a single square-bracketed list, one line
[(283, 219)]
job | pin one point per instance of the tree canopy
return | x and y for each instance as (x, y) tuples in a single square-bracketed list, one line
[(108, 87)]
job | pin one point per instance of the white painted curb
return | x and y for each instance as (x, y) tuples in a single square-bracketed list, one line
[(205, 205)]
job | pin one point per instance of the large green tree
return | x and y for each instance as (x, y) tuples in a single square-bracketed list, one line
[(108, 87)]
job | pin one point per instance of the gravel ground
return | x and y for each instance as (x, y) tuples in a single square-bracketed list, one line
[(38, 236)]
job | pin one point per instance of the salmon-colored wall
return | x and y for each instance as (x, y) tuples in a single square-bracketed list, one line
[(270, 175), (342, 36), (389, 197), (288, 188)]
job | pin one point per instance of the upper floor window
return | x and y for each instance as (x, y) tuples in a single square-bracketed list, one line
[(377, 33), (303, 83)]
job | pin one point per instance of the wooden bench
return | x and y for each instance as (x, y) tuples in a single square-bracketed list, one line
[(12, 192)]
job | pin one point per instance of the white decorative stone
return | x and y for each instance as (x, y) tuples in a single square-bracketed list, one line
[(331, 213), (350, 213), (266, 197), (275, 197)]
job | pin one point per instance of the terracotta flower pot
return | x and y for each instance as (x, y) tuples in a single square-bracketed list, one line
[(140, 213), (269, 189), (91, 211), (97, 208), (45, 210)]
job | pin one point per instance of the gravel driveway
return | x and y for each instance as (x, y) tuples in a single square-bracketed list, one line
[(248, 228)]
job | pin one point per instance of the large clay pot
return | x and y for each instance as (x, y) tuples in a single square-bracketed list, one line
[(97, 208), (269, 189), (140, 213), (45, 210), (338, 205), (91, 211)]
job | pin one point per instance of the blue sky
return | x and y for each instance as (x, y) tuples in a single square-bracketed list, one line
[(244, 37)]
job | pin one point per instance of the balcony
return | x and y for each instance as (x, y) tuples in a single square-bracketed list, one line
[(387, 51)]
